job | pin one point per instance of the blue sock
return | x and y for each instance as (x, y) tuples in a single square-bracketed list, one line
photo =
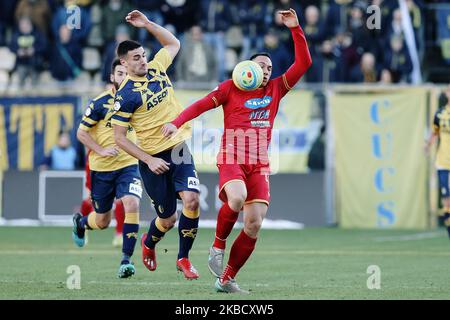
[(187, 230), (84, 223), (154, 235), (130, 235)]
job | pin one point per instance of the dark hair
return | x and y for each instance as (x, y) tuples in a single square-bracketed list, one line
[(265, 54), (126, 46), (115, 63)]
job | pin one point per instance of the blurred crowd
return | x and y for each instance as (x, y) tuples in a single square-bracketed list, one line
[(66, 38)]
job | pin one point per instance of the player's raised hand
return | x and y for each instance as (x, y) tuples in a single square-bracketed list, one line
[(157, 165), (169, 129), (109, 152), (289, 18), (137, 19)]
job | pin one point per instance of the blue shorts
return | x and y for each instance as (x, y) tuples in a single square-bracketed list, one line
[(107, 185), (444, 183), (163, 189)]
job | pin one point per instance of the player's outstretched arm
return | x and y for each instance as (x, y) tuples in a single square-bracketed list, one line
[(164, 36), (191, 112), (157, 165), (86, 139), (302, 56)]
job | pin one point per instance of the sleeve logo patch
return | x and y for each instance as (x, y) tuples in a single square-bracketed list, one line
[(117, 106), (88, 112), (193, 183)]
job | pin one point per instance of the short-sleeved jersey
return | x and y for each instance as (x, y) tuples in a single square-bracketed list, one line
[(441, 126), (97, 121), (149, 102), (249, 116)]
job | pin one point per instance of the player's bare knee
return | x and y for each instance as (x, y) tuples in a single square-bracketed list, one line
[(131, 204), (236, 202), (191, 201), (252, 227), (168, 223), (103, 223)]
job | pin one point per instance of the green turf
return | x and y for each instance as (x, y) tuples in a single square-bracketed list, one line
[(315, 263)]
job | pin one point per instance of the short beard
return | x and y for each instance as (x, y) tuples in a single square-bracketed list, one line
[(116, 85)]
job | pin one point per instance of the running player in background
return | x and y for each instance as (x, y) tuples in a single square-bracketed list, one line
[(86, 208), (243, 160), (114, 173), (147, 101), (441, 131)]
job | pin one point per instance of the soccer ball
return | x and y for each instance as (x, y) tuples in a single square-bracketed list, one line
[(247, 75)]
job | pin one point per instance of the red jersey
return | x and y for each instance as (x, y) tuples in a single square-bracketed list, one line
[(248, 118), (249, 115)]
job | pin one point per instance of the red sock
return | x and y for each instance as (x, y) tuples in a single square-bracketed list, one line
[(225, 222), (240, 251), (120, 216), (86, 207)]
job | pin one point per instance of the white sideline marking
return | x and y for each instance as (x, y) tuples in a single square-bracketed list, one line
[(410, 237)]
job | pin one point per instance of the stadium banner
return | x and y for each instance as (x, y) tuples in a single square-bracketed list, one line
[(381, 168), (291, 139), (29, 127)]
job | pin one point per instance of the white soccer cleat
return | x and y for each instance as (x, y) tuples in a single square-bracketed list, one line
[(215, 261)]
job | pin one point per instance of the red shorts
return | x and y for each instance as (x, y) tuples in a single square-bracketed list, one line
[(255, 177)]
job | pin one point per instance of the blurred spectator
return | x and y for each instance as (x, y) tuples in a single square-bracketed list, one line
[(397, 60), (113, 14), (346, 57), (179, 13), (215, 18), (7, 9), (253, 19), (366, 71), (39, 13), (281, 59), (337, 16), (62, 156), (122, 34), (358, 28), (29, 45), (386, 76), (313, 29), (196, 61), (152, 9), (66, 58)]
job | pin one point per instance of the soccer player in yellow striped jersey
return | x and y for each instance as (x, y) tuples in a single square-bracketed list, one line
[(114, 173), (441, 130), (147, 101)]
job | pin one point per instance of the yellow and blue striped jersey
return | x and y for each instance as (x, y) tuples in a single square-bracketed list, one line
[(97, 121), (442, 127), (147, 103)]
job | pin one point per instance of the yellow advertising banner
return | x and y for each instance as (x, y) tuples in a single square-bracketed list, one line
[(290, 139), (380, 163)]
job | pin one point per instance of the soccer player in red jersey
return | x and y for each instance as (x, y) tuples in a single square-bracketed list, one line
[(243, 160)]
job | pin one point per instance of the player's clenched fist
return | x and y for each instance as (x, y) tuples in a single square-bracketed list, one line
[(169, 129), (157, 165)]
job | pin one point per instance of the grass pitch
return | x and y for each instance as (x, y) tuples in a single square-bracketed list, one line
[(315, 263)]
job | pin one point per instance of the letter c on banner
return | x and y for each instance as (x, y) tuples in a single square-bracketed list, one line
[(375, 111), (380, 181)]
